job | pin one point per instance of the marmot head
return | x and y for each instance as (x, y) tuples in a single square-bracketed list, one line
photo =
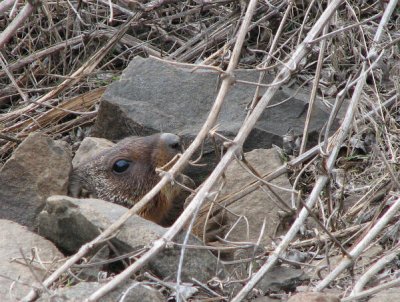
[(125, 172)]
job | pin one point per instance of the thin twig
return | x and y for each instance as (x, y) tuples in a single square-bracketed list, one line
[(360, 247), (12, 28), (372, 271)]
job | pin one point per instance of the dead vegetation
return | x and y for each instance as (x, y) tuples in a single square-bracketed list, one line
[(58, 60)]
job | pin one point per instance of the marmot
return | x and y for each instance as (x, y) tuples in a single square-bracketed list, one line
[(125, 172)]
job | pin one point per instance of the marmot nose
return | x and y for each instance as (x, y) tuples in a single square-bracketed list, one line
[(171, 140)]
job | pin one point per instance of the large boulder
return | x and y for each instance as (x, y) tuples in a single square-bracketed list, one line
[(260, 205), (15, 275), (38, 168), (154, 96), (71, 222)]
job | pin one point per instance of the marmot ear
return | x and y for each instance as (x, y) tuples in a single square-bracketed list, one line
[(172, 141)]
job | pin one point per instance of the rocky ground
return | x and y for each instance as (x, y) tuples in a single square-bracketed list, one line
[(305, 217)]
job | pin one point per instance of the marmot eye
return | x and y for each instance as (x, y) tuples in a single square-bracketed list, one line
[(121, 165)]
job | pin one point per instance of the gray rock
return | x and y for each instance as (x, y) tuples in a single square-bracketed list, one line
[(135, 292), (278, 279), (314, 297), (282, 278), (38, 168), (15, 277), (71, 222), (89, 147), (93, 270), (198, 263), (62, 223), (258, 205), (154, 96)]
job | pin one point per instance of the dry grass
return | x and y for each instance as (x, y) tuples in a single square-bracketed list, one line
[(56, 65)]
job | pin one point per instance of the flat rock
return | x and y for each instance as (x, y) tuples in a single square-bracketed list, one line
[(198, 263), (314, 297), (259, 205), (16, 278), (282, 278), (72, 222), (89, 147), (133, 291), (38, 168), (153, 96)]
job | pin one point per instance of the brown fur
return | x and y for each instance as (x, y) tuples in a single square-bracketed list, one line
[(144, 155)]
